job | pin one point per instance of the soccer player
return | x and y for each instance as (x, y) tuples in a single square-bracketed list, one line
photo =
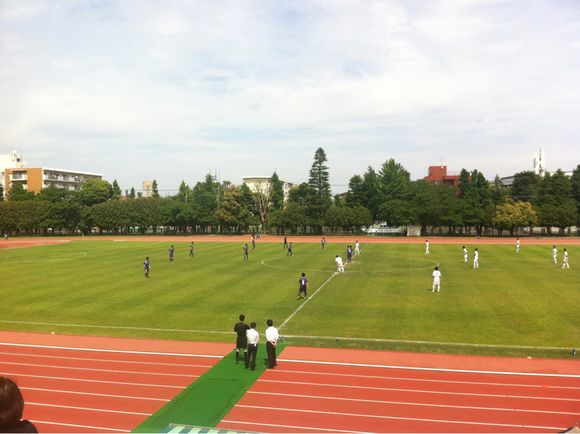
[(349, 253), (146, 267), (289, 252), (476, 259), (464, 255), (436, 280), (285, 242), (191, 249), (171, 253), (554, 255), (565, 263), (427, 247), (356, 248), (323, 243), (253, 338), (242, 340), (302, 286), (339, 264), (518, 245), (246, 252), (253, 243)]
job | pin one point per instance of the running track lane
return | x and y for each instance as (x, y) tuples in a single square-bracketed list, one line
[(369, 391), (85, 384)]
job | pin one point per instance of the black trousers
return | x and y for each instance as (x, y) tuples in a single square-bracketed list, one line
[(271, 350), (251, 356)]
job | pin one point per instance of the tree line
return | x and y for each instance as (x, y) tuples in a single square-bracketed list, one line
[(385, 194)]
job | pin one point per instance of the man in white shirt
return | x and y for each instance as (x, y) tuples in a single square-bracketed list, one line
[(339, 264), (271, 342), (436, 280), (554, 255), (356, 248), (464, 255), (253, 338), (476, 259), (427, 247), (518, 245), (565, 260)]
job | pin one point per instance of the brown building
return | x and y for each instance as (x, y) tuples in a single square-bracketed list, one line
[(438, 175), (34, 179)]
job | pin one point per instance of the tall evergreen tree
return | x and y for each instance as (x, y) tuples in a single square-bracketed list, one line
[(525, 186), (132, 193), (155, 189), (276, 192), (184, 193), (116, 190), (355, 195), (319, 179)]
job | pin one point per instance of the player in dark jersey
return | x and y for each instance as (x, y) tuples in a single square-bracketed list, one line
[(191, 253), (302, 286), (241, 340), (323, 243), (349, 253), (285, 242), (146, 267), (245, 252), (171, 253)]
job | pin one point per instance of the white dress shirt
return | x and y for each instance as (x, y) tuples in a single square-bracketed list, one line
[(272, 335), (253, 336)]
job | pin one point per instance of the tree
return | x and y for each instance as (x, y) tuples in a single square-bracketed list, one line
[(18, 193), (525, 186), (556, 206), (319, 198), (95, 191), (276, 192), (155, 189), (510, 215), (575, 180), (355, 194), (371, 189), (1, 193), (132, 194), (116, 190), (394, 181)]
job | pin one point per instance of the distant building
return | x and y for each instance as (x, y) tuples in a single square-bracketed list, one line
[(34, 179), (9, 161), (538, 167), (438, 176), (147, 189), (263, 184)]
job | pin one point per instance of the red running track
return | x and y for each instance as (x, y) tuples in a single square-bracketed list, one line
[(87, 384), (317, 390)]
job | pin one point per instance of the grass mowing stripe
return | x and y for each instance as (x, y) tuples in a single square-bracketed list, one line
[(206, 401)]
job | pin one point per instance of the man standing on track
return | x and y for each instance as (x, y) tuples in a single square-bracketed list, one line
[(285, 242), (476, 259), (271, 342), (302, 286), (253, 243), (436, 280), (171, 254), (464, 255), (146, 267), (323, 243), (242, 340), (427, 252), (253, 337)]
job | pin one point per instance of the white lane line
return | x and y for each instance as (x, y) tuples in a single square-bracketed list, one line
[(417, 404), (73, 425), (82, 380), (153, 329), (72, 392), (100, 350), (305, 302), (73, 368), (425, 380), (395, 389), (330, 430), (89, 359), (98, 410), (418, 368), (414, 419)]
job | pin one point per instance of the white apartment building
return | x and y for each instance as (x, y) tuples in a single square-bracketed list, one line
[(264, 183)]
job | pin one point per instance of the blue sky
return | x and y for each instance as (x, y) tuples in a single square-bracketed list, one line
[(171, 90)]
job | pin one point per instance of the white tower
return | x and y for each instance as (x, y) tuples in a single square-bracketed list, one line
[(540, 163)]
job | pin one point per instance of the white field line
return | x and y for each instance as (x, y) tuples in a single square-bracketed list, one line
[(74, 368), (435, 392), (78, 426), (330, 430), (414, 419), (427, 380), (417, 404), (89, 359), (99, 410), (417, 368), (100, 350), (299, 308), (83, 380), (114, 327), (73, 392)]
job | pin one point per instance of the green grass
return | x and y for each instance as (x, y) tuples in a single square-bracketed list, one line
[(98, 288)]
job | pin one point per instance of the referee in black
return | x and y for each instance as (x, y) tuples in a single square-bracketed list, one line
[(242, 340)]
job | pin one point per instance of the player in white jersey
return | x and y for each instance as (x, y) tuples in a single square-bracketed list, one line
[(565, 263), (518, 245), (436, 280), (427, 247), (464, 255), (476, 259), (339, 264), (554, 255), (356, 248)]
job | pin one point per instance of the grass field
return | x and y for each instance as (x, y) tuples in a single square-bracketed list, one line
[(382, 301)]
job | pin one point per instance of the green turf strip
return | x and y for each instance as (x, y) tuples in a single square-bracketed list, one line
[(206, 401)]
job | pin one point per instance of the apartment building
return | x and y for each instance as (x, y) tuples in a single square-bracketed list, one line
[(263, 184), (34, 179)]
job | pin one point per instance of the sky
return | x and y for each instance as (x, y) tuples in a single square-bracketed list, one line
[(173, 89)]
